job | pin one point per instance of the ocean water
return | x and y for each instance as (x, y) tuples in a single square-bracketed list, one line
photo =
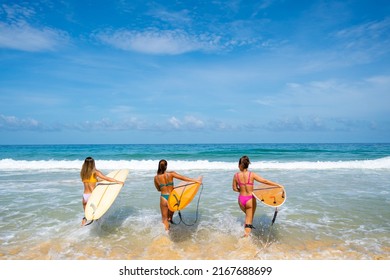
[(337, 207)]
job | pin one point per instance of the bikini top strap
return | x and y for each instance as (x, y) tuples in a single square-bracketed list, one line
[(249, 177), (247, 183), (166, 179)]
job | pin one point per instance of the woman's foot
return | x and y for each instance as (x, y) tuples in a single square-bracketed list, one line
[(248, 229), (166, 225), (83, 221)]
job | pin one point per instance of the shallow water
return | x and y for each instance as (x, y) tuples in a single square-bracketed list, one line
[(330, 212)]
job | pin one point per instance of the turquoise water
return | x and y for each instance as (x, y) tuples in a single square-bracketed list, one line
[(338, 203), (211, 152)]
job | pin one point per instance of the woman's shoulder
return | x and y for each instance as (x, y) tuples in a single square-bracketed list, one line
[(236, 176), (166, 173), (254, 175)]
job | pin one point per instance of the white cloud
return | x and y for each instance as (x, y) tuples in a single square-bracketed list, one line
[(153, 41), (188, 123), (194, 122), (366, 41), (366, 32), (16, 12), (106, 124), (380, 81), (175, 18), (175, 122), (16, 33), (14, 123), (27, 38), (314, 123)]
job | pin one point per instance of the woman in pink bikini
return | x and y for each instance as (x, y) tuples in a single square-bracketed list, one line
[(243, 183)]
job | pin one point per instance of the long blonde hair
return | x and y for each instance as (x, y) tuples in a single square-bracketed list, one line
[(88, 168)]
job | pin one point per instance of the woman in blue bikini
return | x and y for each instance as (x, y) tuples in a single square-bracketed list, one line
[(243, 183), (163, 182)]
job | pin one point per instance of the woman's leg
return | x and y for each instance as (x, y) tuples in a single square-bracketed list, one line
[(84, 220), (164, 212), (250, 209)]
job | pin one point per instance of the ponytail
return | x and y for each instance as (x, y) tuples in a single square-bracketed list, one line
[(162, 166), (244, 162)]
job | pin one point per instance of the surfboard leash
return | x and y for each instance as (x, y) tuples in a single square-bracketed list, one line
[(275, 214), (197, 211), (87, 224), (271, 227)]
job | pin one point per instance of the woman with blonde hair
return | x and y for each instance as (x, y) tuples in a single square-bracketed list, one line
[(243, 182), (90, 176)]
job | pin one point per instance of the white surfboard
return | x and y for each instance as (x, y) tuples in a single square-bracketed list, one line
[(104, 195)]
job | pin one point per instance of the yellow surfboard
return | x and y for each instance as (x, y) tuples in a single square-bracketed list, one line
[(270, 195), (104, 195), (182, 195)]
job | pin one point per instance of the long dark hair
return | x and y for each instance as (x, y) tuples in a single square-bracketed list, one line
[(162, 166)]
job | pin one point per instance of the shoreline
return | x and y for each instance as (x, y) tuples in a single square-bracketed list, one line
[(164, 248)]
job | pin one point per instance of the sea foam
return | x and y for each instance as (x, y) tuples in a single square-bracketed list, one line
[(11, 164)]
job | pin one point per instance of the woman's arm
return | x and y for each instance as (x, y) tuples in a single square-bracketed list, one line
[(156, 184), (183, 178), (102, 176), (260, 179), (235, 185)]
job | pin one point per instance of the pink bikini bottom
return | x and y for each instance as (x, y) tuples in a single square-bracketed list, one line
[(243, 199)]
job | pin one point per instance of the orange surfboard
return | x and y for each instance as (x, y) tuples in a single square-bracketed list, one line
[(182, 195), (270, 195)]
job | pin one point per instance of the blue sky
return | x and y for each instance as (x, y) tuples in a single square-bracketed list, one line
[(194, 71)]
